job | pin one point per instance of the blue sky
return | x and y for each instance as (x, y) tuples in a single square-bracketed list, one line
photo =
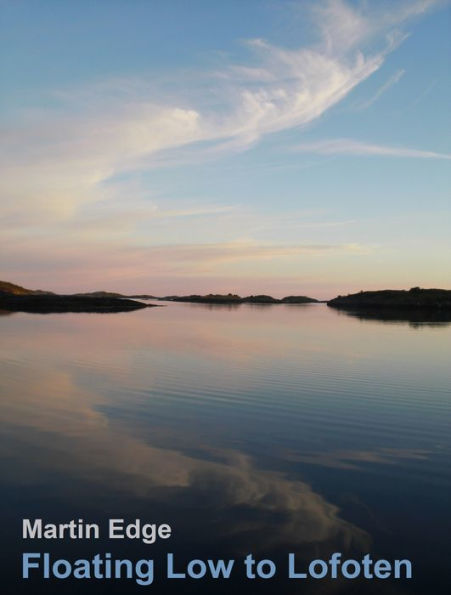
[(286, 147)]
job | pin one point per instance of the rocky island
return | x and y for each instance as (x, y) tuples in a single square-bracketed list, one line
[(14, 298), (231, 298), (393, 299)]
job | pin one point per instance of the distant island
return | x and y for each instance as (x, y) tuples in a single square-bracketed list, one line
[(15, 298), (412, 299), (112, 294), (7, 287), (231, 298)]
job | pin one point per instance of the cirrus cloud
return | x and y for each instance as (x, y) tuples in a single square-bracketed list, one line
[(349, 146), (62, 165)]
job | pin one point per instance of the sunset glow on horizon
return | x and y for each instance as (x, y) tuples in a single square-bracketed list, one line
[(256, 147)]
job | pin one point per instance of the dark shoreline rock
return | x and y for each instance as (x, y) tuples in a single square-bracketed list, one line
[(13, 290), (236, 299), (299, 299), (413, 299), (47, 304)]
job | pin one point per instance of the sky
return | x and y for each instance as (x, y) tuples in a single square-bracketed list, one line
[(281, 147)]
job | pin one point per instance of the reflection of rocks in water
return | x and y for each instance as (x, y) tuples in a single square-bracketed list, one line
[(414, 318), (213, 306)]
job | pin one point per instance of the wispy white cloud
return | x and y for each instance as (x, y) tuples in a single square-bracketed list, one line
[(55, 162), (57, 158), (395, 78), (180, 260), (348, 146)]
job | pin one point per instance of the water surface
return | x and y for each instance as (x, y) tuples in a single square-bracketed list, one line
[(263, 429)]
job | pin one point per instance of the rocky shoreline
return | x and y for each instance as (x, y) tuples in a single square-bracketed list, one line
[(19, 299), (413, 299), (46, 304)]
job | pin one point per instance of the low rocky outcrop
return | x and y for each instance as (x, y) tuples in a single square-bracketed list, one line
[(231, 298), (46, 304), (414, 299)]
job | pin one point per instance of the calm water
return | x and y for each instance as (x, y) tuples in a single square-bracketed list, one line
[(250, 429)]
